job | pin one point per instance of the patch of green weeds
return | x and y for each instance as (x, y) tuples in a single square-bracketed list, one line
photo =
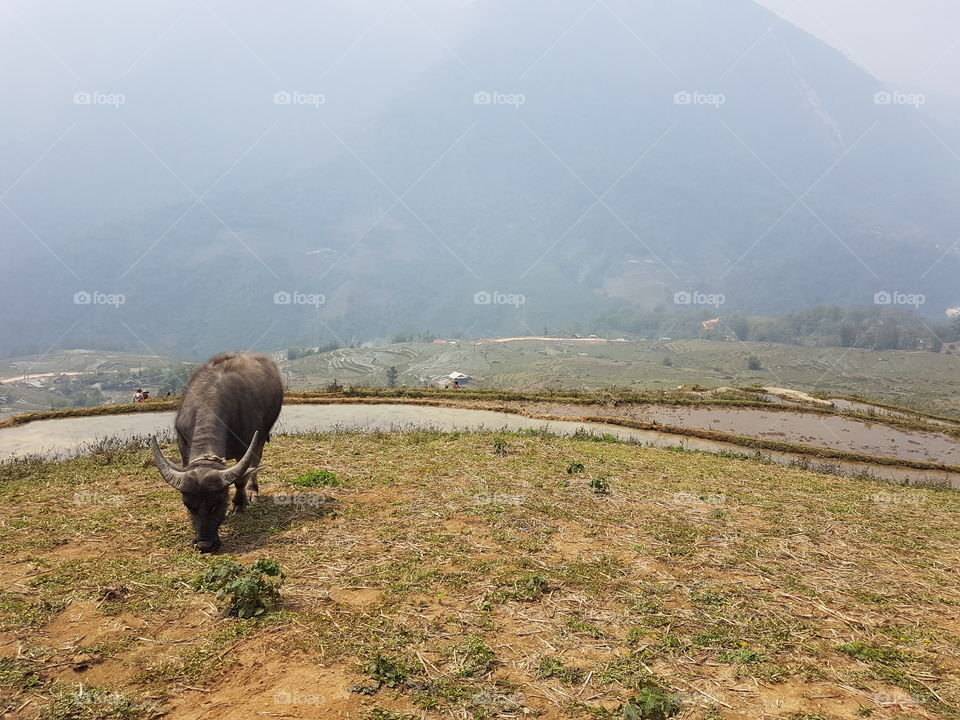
[(318, 478), (528, 587), (652, 703), (247, 592), (600, 486), (385, 671), (473, 657), (92, 704), (17, 674), (551, 667)]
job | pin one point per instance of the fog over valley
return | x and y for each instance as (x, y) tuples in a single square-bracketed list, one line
[(188, 176)]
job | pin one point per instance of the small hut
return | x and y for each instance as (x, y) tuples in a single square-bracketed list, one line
[(455, 379)]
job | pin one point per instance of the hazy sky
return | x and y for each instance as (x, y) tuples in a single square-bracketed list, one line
[(908, 43)]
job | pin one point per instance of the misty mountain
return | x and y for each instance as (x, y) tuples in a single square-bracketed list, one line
[(492, 170)]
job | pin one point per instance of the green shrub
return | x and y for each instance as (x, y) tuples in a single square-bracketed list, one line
[(248, 592), (600, 486), (653, 703), (318, 478), (551, 667), (528, 588), (384, 671), (473, 657)]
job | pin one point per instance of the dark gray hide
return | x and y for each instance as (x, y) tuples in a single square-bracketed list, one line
[(226, 413)]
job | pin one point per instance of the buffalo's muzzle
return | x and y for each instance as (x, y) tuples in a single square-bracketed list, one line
[(206, 546)]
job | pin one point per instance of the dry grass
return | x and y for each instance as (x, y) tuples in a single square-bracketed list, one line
[(471, 576)]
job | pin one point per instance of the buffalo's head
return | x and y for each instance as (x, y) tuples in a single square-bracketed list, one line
[(205, 489)]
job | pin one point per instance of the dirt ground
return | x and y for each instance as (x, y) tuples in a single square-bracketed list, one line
[(483, 575)]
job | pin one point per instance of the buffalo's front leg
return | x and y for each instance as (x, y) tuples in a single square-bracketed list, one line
[(247, 483), (239, 496), (253, 487)]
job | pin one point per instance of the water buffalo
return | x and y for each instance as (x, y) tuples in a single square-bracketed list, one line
[(227, 411)]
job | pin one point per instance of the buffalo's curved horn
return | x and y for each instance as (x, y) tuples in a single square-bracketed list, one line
[(231, 475), (168, 471)]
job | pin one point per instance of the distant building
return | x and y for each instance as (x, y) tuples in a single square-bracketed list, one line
[(454, 378)]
